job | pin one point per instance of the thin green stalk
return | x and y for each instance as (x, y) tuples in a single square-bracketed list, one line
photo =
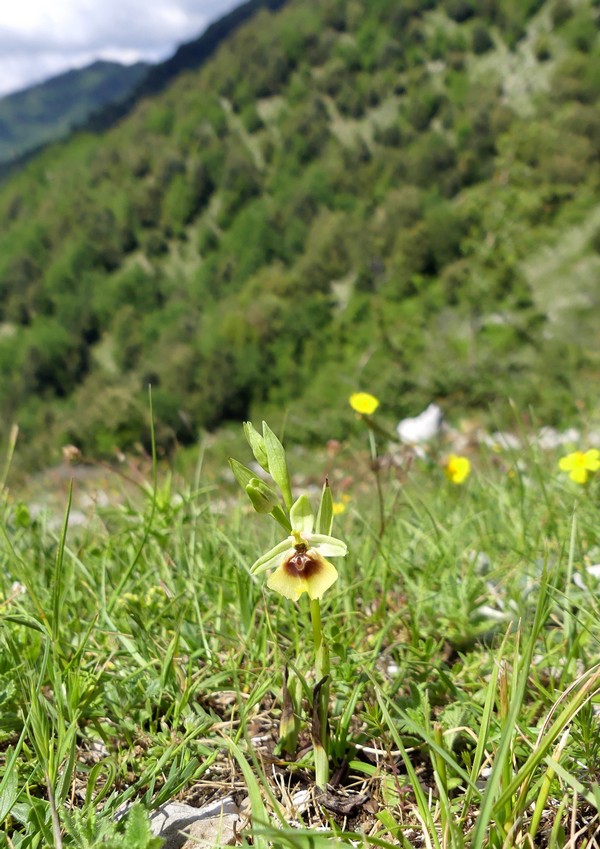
[(450, 835), (321, 697), (568, 620), (321, 652), (12, 442), (546, 785), (557, 836), (493, 808), (507, 768), (108, 609), (423, 808), (376, 472)]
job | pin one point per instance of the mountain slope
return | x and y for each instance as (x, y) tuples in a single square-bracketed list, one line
[(342, 196), (96, 97), (46, 112)]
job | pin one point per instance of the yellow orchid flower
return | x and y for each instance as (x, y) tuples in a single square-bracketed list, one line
[(580, 463), (299, 560)]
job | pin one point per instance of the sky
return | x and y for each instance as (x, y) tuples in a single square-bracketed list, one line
[(42, 38)]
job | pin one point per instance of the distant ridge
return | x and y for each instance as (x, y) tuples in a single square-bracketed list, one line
[(137, 81), (187, 57), (47, 111)]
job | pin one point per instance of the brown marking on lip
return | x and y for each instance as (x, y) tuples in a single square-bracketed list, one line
[(302, 565)]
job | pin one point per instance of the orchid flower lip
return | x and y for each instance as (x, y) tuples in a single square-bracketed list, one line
[(322, 545), (303, 571)]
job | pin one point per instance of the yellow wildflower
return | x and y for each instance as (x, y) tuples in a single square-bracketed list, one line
[(363, 403), (580, 463), (339, 507), (457, 468)]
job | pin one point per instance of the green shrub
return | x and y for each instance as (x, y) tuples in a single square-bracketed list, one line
[(350, 100), (542, 49), (582, 32), (460, 10), (251, 119), (595, 241), (306, 132), (561, 12), (481, 40)]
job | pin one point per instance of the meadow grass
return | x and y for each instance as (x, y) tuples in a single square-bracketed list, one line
[(142, 662)]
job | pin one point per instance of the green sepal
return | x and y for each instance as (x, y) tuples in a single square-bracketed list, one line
[(263, 498), (277, 464), (328, 546), (257, 444), (301, 515), (271, 557), (243, 475), (324, 523)]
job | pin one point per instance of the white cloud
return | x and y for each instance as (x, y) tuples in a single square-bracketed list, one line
[(42, 38)]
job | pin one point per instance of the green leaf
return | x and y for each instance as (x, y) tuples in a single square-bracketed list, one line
[(301, 515), (9, 790), (324, 523), (260, 816), (277, 464), (243, 475), (263, 498), (26, 621), (257, 444), (137, 831)]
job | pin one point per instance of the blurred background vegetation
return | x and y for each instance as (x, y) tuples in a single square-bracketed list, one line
[(396, 196)]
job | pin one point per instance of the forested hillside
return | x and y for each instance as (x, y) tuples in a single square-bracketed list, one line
[(98, 96), (396, 195)]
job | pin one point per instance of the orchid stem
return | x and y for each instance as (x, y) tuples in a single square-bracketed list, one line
[(321, 709), (315, 615)]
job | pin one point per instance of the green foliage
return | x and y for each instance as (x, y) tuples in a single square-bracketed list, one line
[(543, 51), (344, 189), (561, 12), (481, 39), (460, 10)]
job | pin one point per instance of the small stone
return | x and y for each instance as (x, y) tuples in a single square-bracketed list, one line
[(185, 827), (212, 832)]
